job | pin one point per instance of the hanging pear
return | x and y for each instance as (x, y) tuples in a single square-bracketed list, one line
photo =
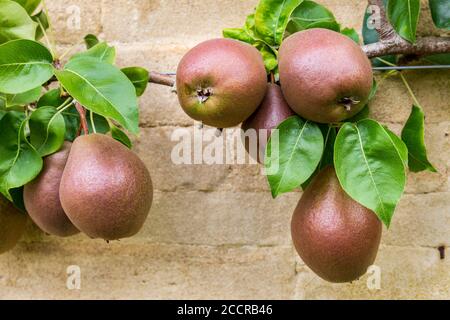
[(41, 196), (106, 190), (273, 110), (334, 235), (324, 75), (221, 82)]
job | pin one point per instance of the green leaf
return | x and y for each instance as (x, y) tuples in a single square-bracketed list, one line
[(247, 34), (443, 58), (329, 135), (15, 23), (42, 19), (374, 89), (292, 159), (270, 58), (90, 40), (139, 77), (100, 51), (17, 198), (414, 136), (440, 11), (401, 147), (47, 130), (351, 33), (103, 89), (250, 25), (312, 15), (101, 124), (71, 116), (238, 34), (53, 98), (272, 18), (369, 167), (19, 161), (370, 35), (24, 65), (21, 99), (404, 17), (268, 54), (29, 5), (121, 136), (72, 122)]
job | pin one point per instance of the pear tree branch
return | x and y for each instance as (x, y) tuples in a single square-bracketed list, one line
[(391, 43), (162, 79)]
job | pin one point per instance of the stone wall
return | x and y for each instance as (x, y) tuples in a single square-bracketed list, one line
[(215, 231)]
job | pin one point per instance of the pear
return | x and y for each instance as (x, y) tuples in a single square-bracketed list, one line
[(324, 75), (334, 235), (273, 110), (221, 82), (41, 196), (106, 190), (12, 225)]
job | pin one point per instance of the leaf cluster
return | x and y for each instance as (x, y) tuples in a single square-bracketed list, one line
[(371, 161), (38, 94)]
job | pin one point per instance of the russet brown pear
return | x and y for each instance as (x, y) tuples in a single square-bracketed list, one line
[(221, 82), (334, 235), (324, 75), (106, 190), (41, 196), (273, 110)]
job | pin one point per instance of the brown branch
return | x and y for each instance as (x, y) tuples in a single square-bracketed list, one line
[(162, 79), (423, 46), (383, 27), (391, 43), (155, 77)]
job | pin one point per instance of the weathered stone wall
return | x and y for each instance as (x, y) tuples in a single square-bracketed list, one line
[(214, 231)]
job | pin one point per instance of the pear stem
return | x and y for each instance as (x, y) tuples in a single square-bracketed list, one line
[(410, 91), (272, 78), (83, 121)]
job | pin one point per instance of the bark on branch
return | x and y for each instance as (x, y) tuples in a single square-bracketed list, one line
[(423, 46), (391, 43), (162, 79), (383, 27)]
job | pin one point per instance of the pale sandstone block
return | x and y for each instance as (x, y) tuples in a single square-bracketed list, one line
[(393, 104), (220, 218), (437, 143), (420, 220), (74, 19), (144, 20), (349, 14), (155, 145), (406, 273), (130, 271), (159, 105)]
